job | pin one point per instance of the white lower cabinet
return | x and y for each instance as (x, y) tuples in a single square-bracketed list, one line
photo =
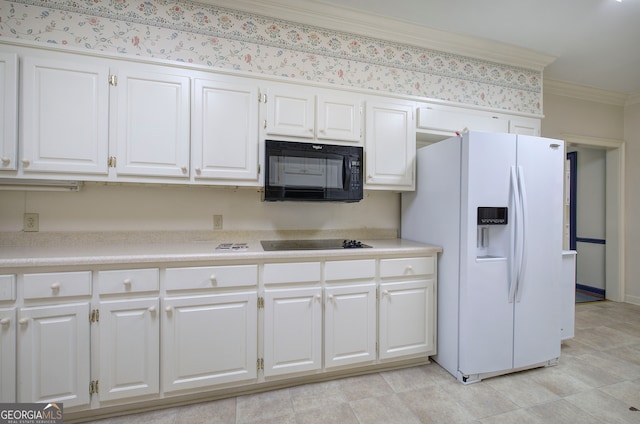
[(350, 325), (7, 355), (53, 354), (129, 348), (292, 330), (406, 319), (209, 340)]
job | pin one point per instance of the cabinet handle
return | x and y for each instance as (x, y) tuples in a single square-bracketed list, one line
[(184, 169), (310, 130), (24, 321), (168, 309), (213, 279), (330, 297), (198, 171), (6, 160), (5, 321), (385, 292), (26, 162), (409, 269), (127, 282), (152, 309), (318, 297), (55, 286)]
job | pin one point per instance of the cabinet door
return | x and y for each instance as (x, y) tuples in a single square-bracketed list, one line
[(65, 115), (390, 145), (339, 117), (209, 340), (152, 124), (292, 330), (407, 319), (350, 325), (7, 355), (291, 112), (129, 349), (8, 110), (225, 131), (53, 347), (525, 126)]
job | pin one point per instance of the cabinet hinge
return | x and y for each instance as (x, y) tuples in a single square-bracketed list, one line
[(259, 169), (261, 303), (93, 387), (111, 162), (113, 80), (262, 98), (94, 316), (260, 364)]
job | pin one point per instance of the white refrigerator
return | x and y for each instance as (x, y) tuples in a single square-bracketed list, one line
[(494, 203)]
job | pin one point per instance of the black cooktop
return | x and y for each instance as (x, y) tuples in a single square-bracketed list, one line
[(270, 245)]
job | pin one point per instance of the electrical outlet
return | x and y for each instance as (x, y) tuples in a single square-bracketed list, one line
[(217, 222), (31, 222)]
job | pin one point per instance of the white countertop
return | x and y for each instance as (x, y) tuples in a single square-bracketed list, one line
[(100, 252)]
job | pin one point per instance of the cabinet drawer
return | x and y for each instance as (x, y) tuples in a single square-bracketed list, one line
[(211, 277), (292, 272), (57, 284), (350, 270), (128, 281), (7, 287), (406, 267)]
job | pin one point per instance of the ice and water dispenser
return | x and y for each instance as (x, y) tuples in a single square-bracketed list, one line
[(493, 237)]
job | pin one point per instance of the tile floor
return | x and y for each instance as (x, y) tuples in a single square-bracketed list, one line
[(597, 381)]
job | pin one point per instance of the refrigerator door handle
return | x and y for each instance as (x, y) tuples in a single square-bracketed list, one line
[(522, 261), (513, 248)]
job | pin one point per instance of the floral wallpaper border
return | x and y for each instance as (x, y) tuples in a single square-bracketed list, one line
[(224, 38)]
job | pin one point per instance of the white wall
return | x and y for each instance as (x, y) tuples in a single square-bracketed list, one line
[(154, 208)]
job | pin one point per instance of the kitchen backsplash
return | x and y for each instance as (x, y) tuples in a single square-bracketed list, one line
[(224, 38)]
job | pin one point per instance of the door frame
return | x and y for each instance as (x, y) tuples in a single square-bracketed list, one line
[(614, 209)]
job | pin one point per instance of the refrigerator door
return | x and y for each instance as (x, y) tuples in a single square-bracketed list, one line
[(486, 333), (536, 322)]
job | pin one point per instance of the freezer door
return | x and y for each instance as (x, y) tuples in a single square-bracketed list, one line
[(537, 326), (485, 314)]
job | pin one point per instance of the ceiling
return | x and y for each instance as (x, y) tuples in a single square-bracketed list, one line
[(596, 43)]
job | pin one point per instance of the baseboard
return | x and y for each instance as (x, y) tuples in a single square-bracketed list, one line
[(632, 299)]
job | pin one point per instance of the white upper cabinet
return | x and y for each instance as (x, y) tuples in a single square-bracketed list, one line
[(64, 115), (525, 126), (449, 121), (309, 113), (152, 118), (8, 110), (339, 117), (225, 131), (390, 145)]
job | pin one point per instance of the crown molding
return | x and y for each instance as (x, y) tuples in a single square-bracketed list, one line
[(582, 92), (343, 19)]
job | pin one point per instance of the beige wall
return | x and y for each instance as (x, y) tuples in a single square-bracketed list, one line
[(632, 198), (590, 118)]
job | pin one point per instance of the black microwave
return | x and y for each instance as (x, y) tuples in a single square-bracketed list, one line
[(312, 172)]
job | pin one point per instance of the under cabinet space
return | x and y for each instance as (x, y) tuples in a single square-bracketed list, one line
[(128, 281), (209, 277), (57, 285)]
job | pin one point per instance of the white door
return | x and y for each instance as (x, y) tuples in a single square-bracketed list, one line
[(7, 355), (350, 325), (291, 112), (53, 352), (406, 318), (65, 116), (390, 145), (339, 117), (152, 123), (485, 314), (537, 309), (8, 110), (292, 330), (129, 348), (209, 340), (225, 131)]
